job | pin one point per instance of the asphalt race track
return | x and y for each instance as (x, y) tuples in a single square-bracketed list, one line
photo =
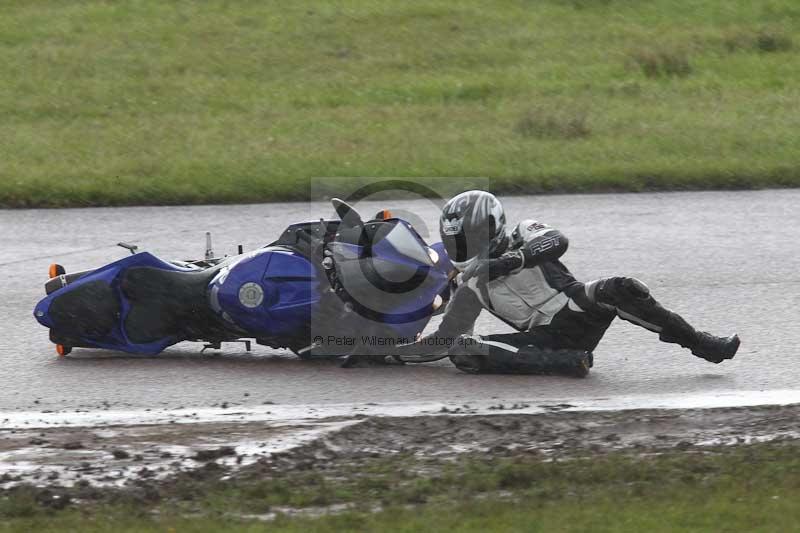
[(728, 261)]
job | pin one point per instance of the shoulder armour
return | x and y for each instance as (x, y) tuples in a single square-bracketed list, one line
[(527, 230)]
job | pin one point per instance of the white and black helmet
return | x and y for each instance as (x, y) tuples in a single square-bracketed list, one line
[(472, 225)]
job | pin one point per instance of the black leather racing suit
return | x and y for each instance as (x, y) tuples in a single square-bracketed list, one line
[(528, 288)]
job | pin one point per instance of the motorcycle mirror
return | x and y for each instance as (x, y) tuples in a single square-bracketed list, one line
[(130, 247), (348, 215)]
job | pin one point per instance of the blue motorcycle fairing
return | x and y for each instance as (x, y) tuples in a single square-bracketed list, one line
[(444, 260), (283, 285)]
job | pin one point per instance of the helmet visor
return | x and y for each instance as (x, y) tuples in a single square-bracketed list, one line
[(463, 246)]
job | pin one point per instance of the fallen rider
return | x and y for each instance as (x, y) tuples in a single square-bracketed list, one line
[(517, 276)]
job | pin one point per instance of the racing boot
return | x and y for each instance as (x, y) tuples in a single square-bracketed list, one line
[(583, 363), (474, 356), (704, 345), (715, 349), (469, 354)]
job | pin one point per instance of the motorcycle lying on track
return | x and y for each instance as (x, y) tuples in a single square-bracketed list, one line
[(324, 288)]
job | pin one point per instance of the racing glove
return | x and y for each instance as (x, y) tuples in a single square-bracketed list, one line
[(489, 269)]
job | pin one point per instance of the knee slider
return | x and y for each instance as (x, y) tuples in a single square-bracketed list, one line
[(635, 288), (621, 290)]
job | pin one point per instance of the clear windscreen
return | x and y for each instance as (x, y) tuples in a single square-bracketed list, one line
[(383, 282), (405, 241)]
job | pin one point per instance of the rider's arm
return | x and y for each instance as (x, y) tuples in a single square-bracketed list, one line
[(459, 317), (461, 313), (533, 243)]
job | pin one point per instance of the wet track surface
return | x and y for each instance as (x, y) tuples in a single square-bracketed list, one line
[(727, 261)]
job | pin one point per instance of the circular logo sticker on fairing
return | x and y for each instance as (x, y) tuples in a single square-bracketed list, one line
[(251, 295)]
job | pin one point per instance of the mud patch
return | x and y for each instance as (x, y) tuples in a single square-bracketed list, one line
[(121, 455), (137, 456), (554, 434)]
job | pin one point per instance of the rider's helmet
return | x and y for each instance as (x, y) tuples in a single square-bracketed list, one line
[(472, 225)]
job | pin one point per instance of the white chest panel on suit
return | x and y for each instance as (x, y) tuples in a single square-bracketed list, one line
[(524, 298)]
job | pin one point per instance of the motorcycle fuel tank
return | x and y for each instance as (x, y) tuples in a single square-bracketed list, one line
[(268, 292)]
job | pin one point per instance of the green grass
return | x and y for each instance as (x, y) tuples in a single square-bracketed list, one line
[(143, 101), (750, 488)]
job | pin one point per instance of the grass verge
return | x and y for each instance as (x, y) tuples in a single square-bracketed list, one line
[(148, 102), (746, 488)]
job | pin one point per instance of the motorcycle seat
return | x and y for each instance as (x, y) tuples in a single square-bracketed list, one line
[(89, 310), (166, 303)]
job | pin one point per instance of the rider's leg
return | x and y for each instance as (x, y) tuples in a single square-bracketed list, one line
[(562, 347), (631, 300), (516, 353)]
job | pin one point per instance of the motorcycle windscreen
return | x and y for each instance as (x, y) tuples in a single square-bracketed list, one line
[(406, 243), (389, 275)]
